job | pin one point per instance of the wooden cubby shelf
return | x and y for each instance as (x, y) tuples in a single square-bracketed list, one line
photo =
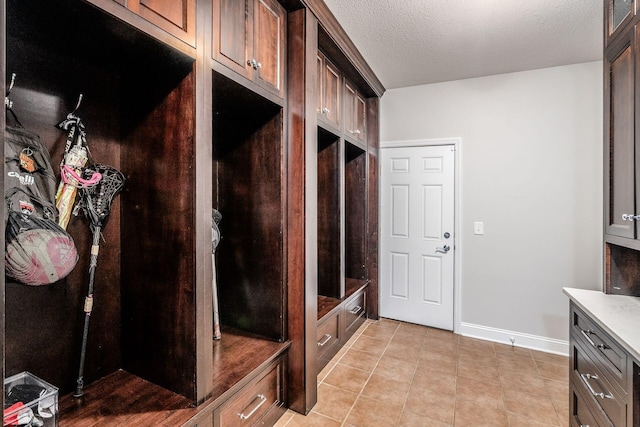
[(174, 98)]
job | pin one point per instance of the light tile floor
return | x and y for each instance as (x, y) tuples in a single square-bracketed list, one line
[(399, 374)]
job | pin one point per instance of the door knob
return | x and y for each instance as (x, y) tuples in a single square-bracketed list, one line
[(443, 249)]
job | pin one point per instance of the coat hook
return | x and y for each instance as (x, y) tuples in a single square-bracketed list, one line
[(13, 81), (7, 102), (78, 104)]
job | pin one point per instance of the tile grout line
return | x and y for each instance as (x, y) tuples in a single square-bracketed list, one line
[(370, 374)]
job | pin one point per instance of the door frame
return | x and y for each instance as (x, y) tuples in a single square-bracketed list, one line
[(457, 212)]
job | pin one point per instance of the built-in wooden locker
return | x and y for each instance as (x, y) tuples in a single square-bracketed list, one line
[(138, 108), (201, 104), (248, 147), (330, 282), (355, 208)]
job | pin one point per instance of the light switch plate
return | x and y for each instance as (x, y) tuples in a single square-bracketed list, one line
[(478, 228)]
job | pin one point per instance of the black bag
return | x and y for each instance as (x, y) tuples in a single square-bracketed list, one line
[(29, 176), (37, 250)]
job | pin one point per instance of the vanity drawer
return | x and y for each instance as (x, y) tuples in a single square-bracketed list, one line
[(328, 337), (354, 312), (254, 402), (613, 359), (581, 414), (604, 399)]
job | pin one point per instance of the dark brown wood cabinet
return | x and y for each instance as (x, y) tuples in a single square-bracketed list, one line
[(355, 126), (601, 386), (622, 162), (192, 100), (620, 139), (329, 92), (176, 17), (618, 15), (339, 319), (249, 38), (261, 402)]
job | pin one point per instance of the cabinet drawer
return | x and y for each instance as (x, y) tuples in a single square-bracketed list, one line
[(329, 335), (590, 382), (612, 357), (355, 310), (254, 402), (580, 411)]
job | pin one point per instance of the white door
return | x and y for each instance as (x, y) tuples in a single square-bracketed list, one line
[(417, 240)]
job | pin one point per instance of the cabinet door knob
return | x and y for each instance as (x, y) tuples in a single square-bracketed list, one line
[(254, 64), (356, 132), (629, 217), (325, 110)]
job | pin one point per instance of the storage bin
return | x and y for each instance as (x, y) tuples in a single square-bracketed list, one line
[(30, 401)]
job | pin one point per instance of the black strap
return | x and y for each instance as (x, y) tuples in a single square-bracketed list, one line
[(15, 118)]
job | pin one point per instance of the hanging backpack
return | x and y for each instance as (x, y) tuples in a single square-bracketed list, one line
[(37, 250)]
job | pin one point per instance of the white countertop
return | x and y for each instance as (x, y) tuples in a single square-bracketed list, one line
[(618, 315)]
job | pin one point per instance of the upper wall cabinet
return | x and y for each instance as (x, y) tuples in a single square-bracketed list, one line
[(354, 113), (249, 38), (329, 82), (177, 17), (618, 14), (621, 213)]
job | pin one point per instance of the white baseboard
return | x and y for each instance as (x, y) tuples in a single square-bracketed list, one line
[(532, 342)]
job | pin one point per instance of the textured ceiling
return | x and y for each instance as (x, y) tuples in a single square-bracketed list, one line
[(413, 42)]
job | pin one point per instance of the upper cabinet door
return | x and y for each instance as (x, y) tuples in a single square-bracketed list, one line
[(349, 108), (269, 45), (620, 139), (619, 13), (177, 17), (249, 38), (233, 34), (361, 122), (355, 110), (329, 83)]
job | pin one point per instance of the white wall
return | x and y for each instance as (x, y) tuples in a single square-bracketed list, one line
[(532, 172)]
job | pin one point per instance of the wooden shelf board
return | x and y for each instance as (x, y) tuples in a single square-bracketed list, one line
[(327, 304), (122, 398)]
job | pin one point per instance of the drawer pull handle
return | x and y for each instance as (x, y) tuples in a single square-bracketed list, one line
[(355, 310), (326, 339), (586, 335), (261, 399), (586, 378), (598, 346)]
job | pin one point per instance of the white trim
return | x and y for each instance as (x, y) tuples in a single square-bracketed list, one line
[(420, 142), (503, 336), (457, 234)]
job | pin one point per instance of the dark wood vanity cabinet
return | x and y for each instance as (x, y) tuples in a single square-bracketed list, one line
[(601, 376), (249, 38)]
